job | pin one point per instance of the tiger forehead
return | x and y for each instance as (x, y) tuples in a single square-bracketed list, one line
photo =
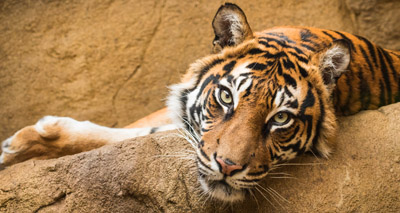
[(270, 42), (264, 57), (272, 70)]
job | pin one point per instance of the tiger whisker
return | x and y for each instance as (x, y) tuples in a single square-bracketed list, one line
[(265, 197), (279, 173), (184, 136), (282, 177), (255, 198), (314, 155), (301, 164), (274, 191), (272, 195), (192, 128)]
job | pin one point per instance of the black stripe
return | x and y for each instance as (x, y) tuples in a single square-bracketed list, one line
[(205, 70), (296, 130), (319, 126), (309, 101), (328, 34), (348, 40), (269, 55), (204, 155), (300, 58), (288, 64), (366, 57), (229, 114), (371, 49), (390, 62), (252, 174), (153, 130), (279, 42), (382, 94), (272, 155), (248, 90), (385, 75), (228, 68), (303, 72), (210, 79), (298, 50), (287, 92), (306, 36), (289, 80), (365, 92), (349, 79), (257, 66), (229, 78), (268, 45), (394, 73), (294, 147), (241, 83), (309, 121), (203, 164), (255, 51), (308, 47), (292, 104), (279, 68), (183, 99), (282, 37), (281, 101)]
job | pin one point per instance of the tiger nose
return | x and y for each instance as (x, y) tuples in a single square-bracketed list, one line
[(227, 166)]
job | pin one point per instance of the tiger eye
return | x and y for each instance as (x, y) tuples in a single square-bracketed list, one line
[(225, 97), (281, 117)]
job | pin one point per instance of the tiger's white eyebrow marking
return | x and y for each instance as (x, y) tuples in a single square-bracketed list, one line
[(239, 84), (240, 70), (282, 99)]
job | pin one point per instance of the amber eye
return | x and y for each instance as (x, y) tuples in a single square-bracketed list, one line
[(225, 96), (281, 117)]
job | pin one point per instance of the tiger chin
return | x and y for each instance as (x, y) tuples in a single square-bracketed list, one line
[(264, 98)]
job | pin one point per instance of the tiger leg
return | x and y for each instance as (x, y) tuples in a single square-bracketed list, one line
[(53, 137)]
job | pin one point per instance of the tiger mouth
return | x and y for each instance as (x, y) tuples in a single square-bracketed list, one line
[(222, 190)]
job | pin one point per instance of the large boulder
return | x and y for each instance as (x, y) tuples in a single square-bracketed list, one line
[(157, 173)]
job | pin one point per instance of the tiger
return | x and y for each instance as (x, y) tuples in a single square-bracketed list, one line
[(260, 99)]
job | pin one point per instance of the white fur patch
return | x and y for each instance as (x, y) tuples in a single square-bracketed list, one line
[(77, 130), (336, 60), (174, 103), (235, 27)]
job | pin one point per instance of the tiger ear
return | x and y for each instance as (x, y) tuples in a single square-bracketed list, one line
[(334, 61), (230, 27)]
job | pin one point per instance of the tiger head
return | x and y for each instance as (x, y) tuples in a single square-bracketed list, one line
[(260, 100)]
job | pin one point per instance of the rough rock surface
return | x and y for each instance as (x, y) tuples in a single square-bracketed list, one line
[(157, 174), (110, 61)]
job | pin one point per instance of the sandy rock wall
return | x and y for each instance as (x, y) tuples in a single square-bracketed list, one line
[(110, 61), (156, 173)]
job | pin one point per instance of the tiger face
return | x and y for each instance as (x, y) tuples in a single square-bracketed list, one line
[(262, 99)]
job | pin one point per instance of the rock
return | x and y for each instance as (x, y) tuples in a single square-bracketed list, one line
[(157, 173)]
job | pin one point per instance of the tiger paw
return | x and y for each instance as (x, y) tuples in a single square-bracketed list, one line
[(40, 141)]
